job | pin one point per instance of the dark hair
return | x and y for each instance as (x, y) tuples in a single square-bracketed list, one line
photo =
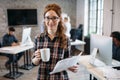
[(11, 29), (116, 35)]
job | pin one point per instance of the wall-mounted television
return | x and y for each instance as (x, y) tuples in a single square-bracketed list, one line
[(22, 17)]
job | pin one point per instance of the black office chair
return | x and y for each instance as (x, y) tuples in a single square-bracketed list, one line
[(76, 33), (79, 32), (1, 55), (73, 34), (0, 47)]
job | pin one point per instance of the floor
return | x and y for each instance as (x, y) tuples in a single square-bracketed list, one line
[(82, 74)]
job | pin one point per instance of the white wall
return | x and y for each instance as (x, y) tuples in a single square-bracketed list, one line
[(111, 16), (116, 16), (80, 12), (107, 17)]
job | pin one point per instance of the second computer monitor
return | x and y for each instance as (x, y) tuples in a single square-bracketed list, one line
[(104, 45), (26, 36)]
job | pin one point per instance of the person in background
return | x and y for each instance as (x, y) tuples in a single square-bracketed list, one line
[(116, 45), (58, 43), (10, 40), (42, 27), (67, 24)]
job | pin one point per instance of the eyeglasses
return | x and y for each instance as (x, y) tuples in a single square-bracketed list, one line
[(54, 18)]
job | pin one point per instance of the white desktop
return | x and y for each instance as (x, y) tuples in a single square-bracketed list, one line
[(103, 48), (26, 39)]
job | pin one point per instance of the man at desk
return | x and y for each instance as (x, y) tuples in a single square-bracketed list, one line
[(116, 45), (10, 40)]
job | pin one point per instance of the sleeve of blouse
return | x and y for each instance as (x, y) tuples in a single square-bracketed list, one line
[(35, 42), (68, 50)]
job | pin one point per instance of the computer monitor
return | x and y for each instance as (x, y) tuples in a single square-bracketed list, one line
[(104, 45), (26, 39)]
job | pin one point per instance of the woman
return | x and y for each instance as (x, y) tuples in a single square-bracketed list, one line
[(55, 39)]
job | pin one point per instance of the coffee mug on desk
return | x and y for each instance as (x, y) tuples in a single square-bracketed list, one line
[(45, 54)]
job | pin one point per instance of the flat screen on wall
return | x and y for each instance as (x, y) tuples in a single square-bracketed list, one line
[(22, 17)]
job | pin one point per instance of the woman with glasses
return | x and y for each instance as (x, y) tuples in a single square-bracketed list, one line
[(55, 39)]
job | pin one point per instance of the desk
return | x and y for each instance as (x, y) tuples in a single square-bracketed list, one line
[(93, 70), (27, 61), (98, 74), (78, 44), (13, 71)]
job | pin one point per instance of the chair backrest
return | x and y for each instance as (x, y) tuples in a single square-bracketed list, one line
[(0, 47), (73, 34), (0, 44), (76, 34)]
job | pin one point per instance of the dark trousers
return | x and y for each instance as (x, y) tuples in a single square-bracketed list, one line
[(15, 59)]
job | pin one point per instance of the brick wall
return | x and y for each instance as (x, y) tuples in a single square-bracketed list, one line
[(68, 6)]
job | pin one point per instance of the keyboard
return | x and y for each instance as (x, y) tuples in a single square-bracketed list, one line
[(117, 67)]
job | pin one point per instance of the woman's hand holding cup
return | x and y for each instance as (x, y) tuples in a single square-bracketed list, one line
[(37, 54), (37, 57)]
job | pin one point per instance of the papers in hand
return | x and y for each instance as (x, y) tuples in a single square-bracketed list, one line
[(66, 63)]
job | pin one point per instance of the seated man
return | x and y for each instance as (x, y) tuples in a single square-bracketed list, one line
[(10, 40), (116, 45)]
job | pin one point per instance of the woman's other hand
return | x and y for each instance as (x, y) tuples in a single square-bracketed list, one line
[(73, 68)]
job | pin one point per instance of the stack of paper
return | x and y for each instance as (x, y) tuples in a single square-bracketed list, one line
[(111, 74), (66, 63)]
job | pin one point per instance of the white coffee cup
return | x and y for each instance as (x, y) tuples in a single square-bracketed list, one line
[(45, 54)]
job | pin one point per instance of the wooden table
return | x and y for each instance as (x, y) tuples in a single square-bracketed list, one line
[(92, 69)]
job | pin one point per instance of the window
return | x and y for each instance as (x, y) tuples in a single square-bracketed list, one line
[(94, 19)]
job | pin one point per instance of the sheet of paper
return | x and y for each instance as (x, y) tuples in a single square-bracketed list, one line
[(66, 63)]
